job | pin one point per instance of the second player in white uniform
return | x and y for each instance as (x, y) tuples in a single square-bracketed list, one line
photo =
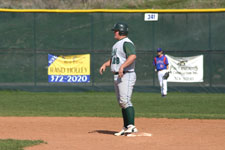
[(122, 65), (161, 65)]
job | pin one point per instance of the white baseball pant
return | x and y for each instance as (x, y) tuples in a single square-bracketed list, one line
[(162, 82), (124, 88)]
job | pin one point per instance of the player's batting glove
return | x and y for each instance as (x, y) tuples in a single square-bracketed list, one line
[(166, 75)]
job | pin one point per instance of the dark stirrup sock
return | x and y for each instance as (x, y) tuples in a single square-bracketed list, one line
[(125, 122), (130, 115)]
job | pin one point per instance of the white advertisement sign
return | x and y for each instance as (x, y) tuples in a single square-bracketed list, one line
[(185, 69)]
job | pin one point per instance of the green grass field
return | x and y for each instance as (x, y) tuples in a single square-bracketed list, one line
[(10, 144), (104, 104)]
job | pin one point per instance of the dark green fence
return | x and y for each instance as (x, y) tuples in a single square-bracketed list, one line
[(28, 38)]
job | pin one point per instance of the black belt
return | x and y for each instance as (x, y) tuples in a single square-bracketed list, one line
[(116, 73), (160, 70)]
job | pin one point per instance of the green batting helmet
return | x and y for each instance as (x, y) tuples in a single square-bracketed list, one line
[(121, 27)]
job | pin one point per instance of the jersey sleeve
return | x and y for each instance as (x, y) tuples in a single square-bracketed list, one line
[(154, 61), (166, 61), (129, 49)]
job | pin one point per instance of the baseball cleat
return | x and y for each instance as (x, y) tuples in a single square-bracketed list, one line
[(122, 132), (131, 129)]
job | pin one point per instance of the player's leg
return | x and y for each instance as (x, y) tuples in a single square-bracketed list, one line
[(126, 90), (160, 78), (118, 80), (117, 89), (123, 90), (125, 121), (164, 87), (164, 84), (118, 99), (130, 109)]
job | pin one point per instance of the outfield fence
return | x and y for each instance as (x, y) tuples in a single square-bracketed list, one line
[(28, 36)]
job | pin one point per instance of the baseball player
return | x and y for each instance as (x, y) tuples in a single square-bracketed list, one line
[(122, 63), (161, 66)]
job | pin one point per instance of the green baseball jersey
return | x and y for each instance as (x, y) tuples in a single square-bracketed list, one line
[(121, 50)]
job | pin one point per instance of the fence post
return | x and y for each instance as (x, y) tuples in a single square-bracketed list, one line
[(92, 50), (210, 50), (34, 49), (153, 47)]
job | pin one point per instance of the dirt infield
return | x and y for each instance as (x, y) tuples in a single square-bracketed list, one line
[(74, 133)]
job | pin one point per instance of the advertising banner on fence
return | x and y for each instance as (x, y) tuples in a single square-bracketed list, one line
[(71, 69), (185, 69)]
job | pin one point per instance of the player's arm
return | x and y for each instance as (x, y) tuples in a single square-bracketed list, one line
[(167, 63), (129, 61), (103, 67), (154, 63), (129, 49)]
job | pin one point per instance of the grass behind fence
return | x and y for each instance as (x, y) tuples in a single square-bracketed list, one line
[(109, 4)]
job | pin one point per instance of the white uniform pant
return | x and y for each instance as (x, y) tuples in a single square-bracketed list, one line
[(124, 88), (162, 82)]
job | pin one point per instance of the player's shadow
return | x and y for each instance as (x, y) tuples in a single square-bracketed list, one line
[(103, 132)]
